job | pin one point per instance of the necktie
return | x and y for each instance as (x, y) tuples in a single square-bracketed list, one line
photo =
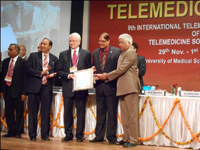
[(103, 61), (74, 59), (19, 18), (10, 70), (45, 65)]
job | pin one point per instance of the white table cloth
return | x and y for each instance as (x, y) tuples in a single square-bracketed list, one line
[(175, 128)]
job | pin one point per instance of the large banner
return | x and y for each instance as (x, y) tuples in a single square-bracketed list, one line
[(167, 32)]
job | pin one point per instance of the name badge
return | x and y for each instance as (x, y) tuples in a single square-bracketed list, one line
[(8, 79), (73, 69)]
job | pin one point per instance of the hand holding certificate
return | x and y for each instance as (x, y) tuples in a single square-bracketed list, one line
[(83, 79)]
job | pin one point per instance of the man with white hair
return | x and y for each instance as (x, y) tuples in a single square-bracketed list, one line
[(72, 60), (128, 88)]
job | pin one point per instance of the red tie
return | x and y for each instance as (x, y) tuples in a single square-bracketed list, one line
[(10, 70), (45, 65), (74, 59)]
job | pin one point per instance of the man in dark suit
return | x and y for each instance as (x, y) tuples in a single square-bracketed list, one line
[(141, 64), (19, 15), (128, 88), (42, 68), (13, 90), (107, 101), (73, 59)]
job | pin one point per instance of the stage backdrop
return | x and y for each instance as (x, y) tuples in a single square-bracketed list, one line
[(167, 33)]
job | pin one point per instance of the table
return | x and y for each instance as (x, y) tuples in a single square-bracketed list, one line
[(174, 128)]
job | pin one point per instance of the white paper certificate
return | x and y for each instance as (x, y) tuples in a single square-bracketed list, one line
[(83, 79)]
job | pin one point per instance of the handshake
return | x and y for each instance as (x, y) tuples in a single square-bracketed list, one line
[(100, 76)]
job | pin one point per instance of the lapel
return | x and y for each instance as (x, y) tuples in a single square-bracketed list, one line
[(16, 64), (7, 66), (69, 60), (98, 63), (110, 52), (40, 59), (79, 58)]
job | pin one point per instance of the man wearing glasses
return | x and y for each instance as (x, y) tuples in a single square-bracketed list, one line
[(105, 60), (22, 52)]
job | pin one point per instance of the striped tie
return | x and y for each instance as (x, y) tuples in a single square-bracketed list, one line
[(10, 72), (45, 65), (74, 59), (103, 61)]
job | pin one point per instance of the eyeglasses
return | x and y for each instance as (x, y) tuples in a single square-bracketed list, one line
[(72, 41), (122, 42), (22, 49), (102, 41)]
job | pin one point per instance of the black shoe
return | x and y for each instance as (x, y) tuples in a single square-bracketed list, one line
[(96, 140), (112, 141), (129, 144), (120, 142), (18, 136), (46, 138), (7, 135), (33, 138), (79, 139), (65, 139)]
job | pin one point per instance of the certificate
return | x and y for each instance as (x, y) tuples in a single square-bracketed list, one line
[(83, 79)]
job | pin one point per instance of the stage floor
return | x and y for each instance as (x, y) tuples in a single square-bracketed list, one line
[(55, 144)]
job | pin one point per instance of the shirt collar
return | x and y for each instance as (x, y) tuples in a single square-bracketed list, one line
[(77, 49), (45, 54), (15, 58), (106, 49)]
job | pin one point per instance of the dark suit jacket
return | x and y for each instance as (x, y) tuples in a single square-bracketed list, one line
[(108, 88), (84, 62), (34, 72), (141, 64), (18, 86)]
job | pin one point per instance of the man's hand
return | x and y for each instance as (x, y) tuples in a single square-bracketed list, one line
[(104, 76), (97, 76), (44, 72), (51, 75), (2, 95), (137, 71), (71, 76), (94, 68), (23, 98), (100, 76)]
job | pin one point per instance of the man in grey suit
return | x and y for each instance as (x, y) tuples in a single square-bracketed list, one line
[(141, 64), (128, 88), (74, 58), (107, 101)]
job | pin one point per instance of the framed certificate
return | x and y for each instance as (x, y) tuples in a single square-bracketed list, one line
[(83, 79)]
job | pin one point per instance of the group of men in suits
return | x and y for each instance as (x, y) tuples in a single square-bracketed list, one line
[(118, 67)]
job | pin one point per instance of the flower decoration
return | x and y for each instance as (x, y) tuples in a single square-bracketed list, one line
[(175, 85)]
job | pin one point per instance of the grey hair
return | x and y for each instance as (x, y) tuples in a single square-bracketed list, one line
[(76, 35), (126, 37)]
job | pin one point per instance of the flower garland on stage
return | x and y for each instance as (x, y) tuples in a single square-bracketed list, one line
[(160, 128)]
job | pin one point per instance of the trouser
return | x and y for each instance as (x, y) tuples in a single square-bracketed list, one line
[(129, 105), (14, 121), (106, 105), (80, 103), (45, 97)]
